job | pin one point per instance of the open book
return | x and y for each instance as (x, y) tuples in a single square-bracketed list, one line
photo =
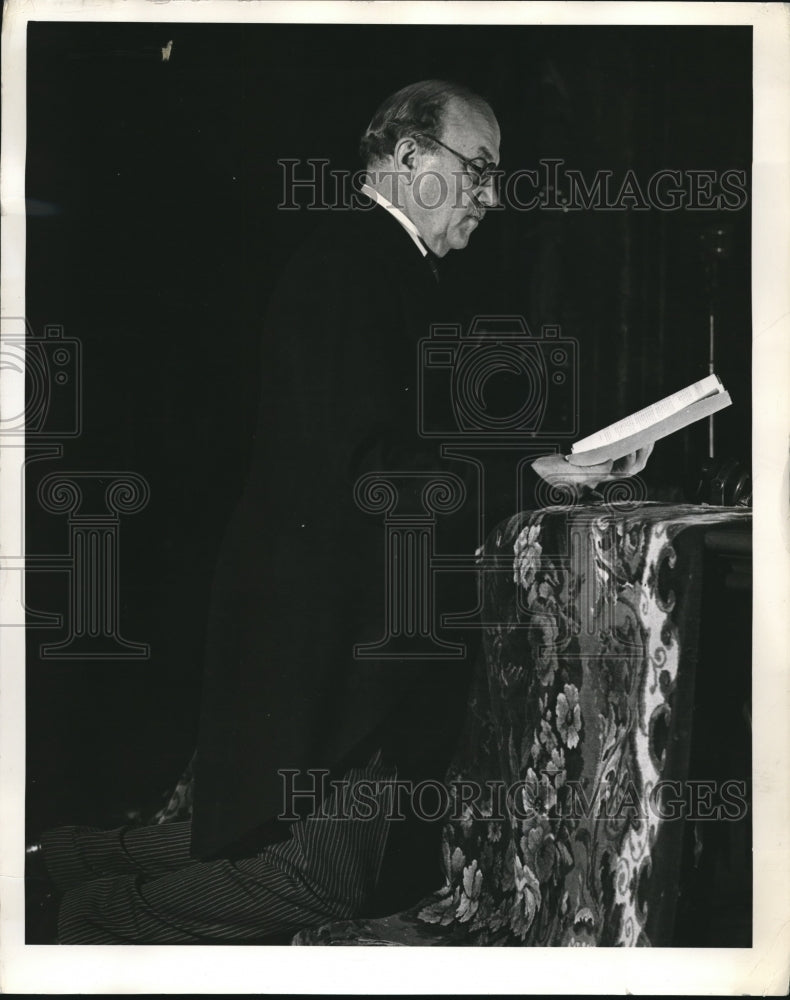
[(654, 422)]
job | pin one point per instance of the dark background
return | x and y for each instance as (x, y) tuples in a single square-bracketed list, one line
[(154, 238)]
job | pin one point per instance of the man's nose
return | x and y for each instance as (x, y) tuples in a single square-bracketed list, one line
[(487, 195)]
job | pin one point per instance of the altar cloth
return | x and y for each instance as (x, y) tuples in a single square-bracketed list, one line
[(567, 790)]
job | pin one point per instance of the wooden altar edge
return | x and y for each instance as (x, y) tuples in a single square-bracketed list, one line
[(734, 546)]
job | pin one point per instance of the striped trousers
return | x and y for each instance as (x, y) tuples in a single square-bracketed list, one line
[(140, 885)]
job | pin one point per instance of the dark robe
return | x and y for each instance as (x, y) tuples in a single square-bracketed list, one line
[(300, 578)]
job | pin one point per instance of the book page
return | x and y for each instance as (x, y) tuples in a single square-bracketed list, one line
[(643, 419), (655, 431)]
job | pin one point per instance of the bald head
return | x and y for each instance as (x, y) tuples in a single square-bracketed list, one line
[(427, 149), (417, 108)]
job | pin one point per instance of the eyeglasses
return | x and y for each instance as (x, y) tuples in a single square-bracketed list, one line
[(480, 171)]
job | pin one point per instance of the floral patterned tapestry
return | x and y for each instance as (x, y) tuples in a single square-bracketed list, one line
[(559, 833)]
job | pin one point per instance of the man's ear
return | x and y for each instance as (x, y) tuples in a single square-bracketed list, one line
[(405, 154)]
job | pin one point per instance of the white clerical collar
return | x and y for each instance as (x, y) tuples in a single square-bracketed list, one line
[(404, 220)]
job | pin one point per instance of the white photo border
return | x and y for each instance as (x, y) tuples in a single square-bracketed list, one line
[(762, 969)]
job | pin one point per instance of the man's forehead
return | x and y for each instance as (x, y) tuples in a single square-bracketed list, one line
[(476, 129)]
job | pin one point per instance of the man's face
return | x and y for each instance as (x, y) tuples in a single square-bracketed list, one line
[(446, 205)]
